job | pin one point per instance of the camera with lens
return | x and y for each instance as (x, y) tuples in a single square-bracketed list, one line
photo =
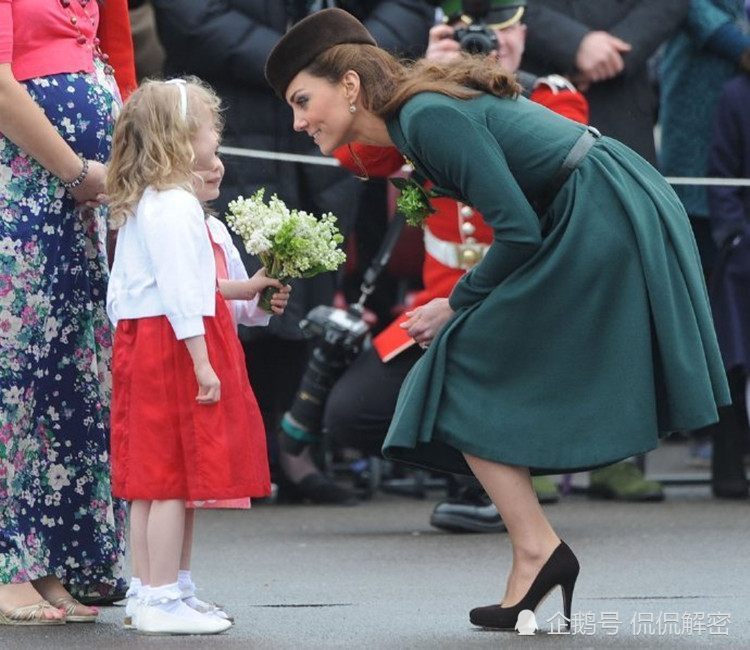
[(340, 335), (476, 37)]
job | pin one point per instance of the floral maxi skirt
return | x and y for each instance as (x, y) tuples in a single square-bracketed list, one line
[(57, 515)]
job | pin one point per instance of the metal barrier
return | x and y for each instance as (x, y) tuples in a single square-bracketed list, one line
[(332, 162)]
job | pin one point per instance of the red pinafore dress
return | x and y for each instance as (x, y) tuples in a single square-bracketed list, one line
[(164, 444)]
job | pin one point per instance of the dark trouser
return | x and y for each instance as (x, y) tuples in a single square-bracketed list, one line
[(361, 403), (730, 435), (706, 247), (275, 367)]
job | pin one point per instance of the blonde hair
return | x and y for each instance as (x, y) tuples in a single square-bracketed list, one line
[(387, 83), (152, 141)]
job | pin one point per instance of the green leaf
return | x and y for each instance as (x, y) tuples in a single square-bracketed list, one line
[(413, 201)]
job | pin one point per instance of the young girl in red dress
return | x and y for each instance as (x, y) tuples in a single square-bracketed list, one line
[(185, 423)]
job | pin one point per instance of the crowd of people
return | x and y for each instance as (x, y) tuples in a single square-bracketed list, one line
[(563, 283)]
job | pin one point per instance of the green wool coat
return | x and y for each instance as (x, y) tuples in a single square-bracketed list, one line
[(567, 351)]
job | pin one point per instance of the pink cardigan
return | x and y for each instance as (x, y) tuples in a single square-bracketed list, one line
[(37, 37)]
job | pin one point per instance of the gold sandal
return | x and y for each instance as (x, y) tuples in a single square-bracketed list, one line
[(30, 615), (69, 604)]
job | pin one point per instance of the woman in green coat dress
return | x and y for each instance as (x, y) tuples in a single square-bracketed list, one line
[(582, 336)]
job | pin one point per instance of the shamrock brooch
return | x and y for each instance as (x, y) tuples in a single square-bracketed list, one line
[(413, 201)]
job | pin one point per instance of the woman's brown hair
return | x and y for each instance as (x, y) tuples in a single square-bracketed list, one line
[(386, 83)]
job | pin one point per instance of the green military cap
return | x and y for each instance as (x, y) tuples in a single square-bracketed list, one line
[(500, 13)]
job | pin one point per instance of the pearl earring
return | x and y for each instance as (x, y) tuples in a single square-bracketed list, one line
[(352, 108)]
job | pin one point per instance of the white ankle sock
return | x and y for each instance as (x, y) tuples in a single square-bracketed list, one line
[(165, 597), (185, 583), (168, 599), (187, 590)]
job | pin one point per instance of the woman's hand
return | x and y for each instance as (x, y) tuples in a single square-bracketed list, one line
[(423, 323), (441, 46), (209, 386), (25, 124), (91, 191)]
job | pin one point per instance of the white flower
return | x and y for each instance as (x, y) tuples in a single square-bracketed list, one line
[(57, 475), (290, 243), (67, 125), (7, 245), (257, 243), (47, 521), (38, 299), (12, 395), (50, 328)]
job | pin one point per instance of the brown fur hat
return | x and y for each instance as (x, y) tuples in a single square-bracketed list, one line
[(311, 36)]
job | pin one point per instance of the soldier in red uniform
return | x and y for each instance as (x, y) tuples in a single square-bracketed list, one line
[(361, 403)]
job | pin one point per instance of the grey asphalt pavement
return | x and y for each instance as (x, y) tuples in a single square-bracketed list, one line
[(672, 574)]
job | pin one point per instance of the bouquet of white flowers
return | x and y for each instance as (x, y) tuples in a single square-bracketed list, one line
[(289, 243)]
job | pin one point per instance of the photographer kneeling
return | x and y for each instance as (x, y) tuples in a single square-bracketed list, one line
[(361, 403)]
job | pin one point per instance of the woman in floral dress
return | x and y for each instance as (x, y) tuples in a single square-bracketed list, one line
[(58, 522)]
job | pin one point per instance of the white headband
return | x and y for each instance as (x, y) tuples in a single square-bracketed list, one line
[(182, 85)]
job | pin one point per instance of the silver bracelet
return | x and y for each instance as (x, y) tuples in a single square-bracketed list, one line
[(69, 185)]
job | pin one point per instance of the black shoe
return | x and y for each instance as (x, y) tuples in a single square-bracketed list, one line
[(471, 512), (560, 570), (315, 488)]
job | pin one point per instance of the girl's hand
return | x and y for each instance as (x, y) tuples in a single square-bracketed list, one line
[(248, 289), (209, 386), (237, 289), (280, 299), (260, 281), (423, 323)]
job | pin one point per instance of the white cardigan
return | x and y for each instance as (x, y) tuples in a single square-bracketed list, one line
[(164, 263)]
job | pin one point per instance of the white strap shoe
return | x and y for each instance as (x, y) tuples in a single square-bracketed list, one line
[(131, 608), (187, 591), (169, 615), (209, 609)]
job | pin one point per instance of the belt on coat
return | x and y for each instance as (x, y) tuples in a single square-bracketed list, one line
[(576, 154), (453, 254)]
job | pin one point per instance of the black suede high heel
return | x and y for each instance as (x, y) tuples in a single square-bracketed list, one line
[(561, 569)]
